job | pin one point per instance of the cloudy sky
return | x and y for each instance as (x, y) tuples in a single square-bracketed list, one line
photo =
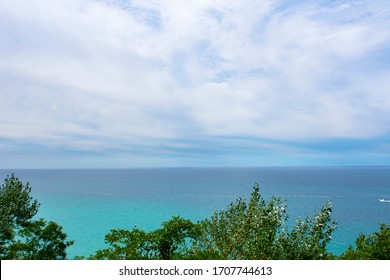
[(120, 83)]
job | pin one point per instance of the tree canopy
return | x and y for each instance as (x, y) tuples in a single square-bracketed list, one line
[(169, 242), (257, 230), (21, 237), (375, 246)]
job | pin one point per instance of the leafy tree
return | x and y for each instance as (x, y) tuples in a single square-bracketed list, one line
[(244, 230), (372, 247), (169, 242), (20, 236), (40, 240), (16, 209), (257, 230), (124, 245), (172, 241), (308, 239)]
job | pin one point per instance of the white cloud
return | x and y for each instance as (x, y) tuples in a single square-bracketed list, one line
[(131, 72)]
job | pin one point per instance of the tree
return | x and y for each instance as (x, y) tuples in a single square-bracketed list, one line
[(309, 237), (375, 246), (173, 239), (169, 242), (20, 236), (244, 230), (124, 245), (16, 209), (257, 230)]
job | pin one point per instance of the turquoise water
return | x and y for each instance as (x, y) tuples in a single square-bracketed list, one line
[(88, 203)]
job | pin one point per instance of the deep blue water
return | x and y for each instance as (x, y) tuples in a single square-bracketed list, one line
[(88, 203)]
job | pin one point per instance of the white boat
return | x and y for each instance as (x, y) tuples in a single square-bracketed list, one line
[(384, 200)]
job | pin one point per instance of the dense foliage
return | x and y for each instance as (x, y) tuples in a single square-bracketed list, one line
[(372, 247), (245, 230), (169, 242), (21, 237), (257, 230)]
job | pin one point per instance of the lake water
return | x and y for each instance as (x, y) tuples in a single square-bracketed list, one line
[(88, 203)]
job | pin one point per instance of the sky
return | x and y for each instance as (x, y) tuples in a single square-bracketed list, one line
[(121, 84)]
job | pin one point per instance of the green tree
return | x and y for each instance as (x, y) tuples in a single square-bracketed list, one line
[(16, 209), (173, 239), (375, 246), (20, 236), (309, 237), (125, 245), (169, 242), (257, 230), (244, 230), (40, 240)]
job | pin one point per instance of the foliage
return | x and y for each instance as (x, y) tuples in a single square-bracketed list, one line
[(16, 208), (40, 240), (257, 230), (308, 239), (124, 245), (172, 240), (20, 236), (169, 242), (245, 230), (372, 247)]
